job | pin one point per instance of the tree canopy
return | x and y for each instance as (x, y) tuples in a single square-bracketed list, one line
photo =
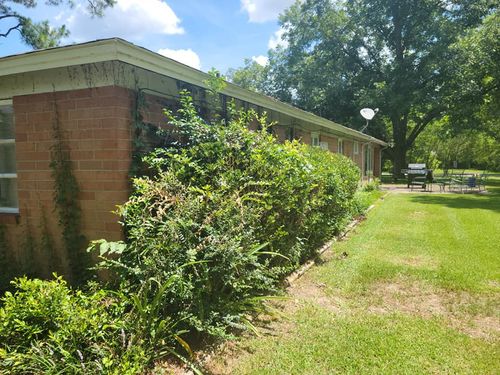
[(40, 34), (408, 58), (475, 98), (252, 76)]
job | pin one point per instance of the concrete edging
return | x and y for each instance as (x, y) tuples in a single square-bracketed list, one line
[(305, 267)]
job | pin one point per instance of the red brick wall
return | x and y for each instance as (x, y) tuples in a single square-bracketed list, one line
[(279, 131), (96, 123), (303, 136), (348, 148), (152, 109), (332, 142)]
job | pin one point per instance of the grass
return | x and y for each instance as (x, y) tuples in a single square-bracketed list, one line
[(418, 293)]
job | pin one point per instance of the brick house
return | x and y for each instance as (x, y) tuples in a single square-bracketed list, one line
[(96, 92)]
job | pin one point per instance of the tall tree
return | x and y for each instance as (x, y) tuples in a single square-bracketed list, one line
[(251, 76), (475, 99), (470, 133), (343, 55), (40, 34)]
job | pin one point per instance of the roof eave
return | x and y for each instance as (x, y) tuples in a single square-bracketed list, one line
[(121, 50)]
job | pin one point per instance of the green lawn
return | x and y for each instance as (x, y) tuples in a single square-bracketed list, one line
[(418, 293)]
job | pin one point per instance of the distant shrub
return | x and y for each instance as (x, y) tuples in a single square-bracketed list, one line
[(373, 184), (228, 213)]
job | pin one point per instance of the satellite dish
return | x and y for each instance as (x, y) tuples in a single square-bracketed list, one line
[(368, 113)]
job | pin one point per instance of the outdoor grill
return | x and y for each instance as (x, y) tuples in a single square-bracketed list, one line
[(417, 175)]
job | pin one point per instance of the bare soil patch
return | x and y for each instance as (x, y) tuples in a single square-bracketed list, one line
[(416, 261), (309, 292), (403, 295), (400, 295), (303, 292)]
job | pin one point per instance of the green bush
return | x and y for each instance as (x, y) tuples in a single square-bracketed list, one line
[(213, 227), (46, 327), (371, 185), (363, 200), (228, 214)]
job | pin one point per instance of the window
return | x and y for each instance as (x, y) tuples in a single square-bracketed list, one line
[(8, 176), (323, 145), (340, 149), (315, 139), (290, 133), (356, 148)]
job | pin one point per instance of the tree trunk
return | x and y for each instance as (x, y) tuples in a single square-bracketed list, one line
[(399, 160), (399, 128)]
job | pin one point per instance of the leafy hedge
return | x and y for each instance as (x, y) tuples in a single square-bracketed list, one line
[(230, 214), (213, 227)]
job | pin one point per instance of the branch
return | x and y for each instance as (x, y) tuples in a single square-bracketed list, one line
[(92, 6), (11, 29), (431, 115), (9, 16)]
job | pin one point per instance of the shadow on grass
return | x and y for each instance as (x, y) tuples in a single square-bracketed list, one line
[(489, 201)]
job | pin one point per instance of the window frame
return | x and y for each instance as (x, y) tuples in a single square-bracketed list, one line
[(340, 146), (315, 137), (355, 148), (368, 162), (4, 176)]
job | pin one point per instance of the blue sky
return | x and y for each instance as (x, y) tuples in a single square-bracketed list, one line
[(200, 33)]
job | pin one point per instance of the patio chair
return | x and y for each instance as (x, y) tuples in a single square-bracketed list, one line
[(470, 182), (457, 182), (443, 182), (481, 181)]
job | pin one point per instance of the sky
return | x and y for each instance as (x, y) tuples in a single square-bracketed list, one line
[(199, 33)]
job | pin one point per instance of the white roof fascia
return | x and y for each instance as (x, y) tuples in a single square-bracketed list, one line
[(121, 50), (58, 57)]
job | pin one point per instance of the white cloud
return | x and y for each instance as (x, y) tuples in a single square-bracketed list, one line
[(276, 39), (261, 60), (185, 56), (264, 10), (128, 19)]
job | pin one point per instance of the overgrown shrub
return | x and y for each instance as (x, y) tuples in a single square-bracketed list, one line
[(213, 227), (227, 213), (46, 327)]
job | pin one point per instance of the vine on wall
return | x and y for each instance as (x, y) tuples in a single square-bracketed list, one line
[(54, 262), (139, 127), (7, 267), (29, 261), (66, 192)]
